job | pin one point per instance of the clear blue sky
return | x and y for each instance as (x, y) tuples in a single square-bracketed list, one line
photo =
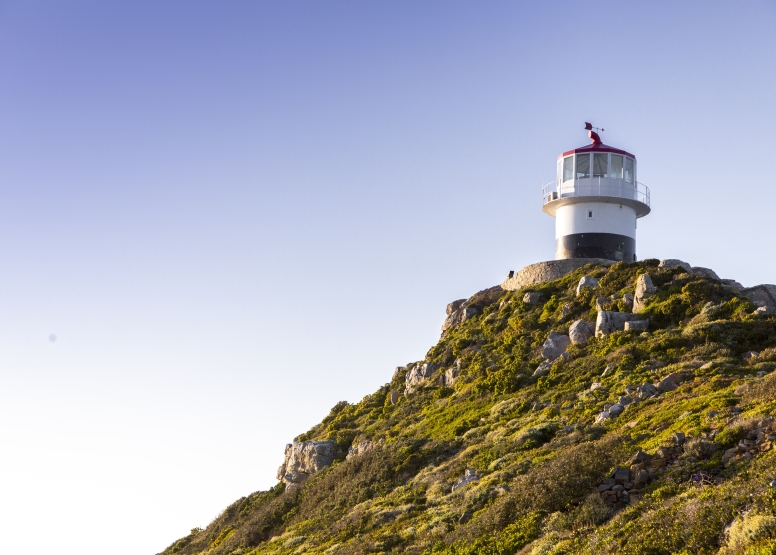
[(233, 215)]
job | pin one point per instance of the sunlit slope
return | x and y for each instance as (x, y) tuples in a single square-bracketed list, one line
[(503, 461)]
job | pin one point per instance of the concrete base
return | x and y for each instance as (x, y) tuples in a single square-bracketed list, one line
[(548, 271)]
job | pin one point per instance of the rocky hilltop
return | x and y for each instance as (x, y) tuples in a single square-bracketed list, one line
[(597, 408)]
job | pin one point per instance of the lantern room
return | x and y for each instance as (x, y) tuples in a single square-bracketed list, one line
[(596, 201)]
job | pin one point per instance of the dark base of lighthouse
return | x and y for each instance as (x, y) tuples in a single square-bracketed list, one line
[(609, 246)]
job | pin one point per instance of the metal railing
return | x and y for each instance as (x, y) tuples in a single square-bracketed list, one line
[(595, 187)]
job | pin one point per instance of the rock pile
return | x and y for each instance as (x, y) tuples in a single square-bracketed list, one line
[(758, 440)]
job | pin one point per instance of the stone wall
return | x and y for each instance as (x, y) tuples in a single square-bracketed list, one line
[(547, 271)]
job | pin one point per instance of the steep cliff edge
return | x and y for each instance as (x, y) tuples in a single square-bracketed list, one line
[(622, 408)]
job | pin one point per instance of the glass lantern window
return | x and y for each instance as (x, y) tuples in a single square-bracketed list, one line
[(615, 170), (568, 168), (629, 170), (600, 165), (583, 166)]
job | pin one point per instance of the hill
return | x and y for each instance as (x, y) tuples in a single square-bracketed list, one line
[(549, 420)]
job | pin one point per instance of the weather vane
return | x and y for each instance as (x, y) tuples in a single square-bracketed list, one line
[(592, 133)]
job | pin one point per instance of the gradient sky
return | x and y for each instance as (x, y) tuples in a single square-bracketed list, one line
[(219, 219)]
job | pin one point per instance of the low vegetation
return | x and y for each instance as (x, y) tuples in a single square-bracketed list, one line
[(533, 442)]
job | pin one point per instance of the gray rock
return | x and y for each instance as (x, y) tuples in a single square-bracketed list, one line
[(670, 382), (454, 306), (532, 298), (467, 313), (733, 284), (609, 322), (763, 310), (625, 400), (468, 477), (450, 375), (647, 390), (636, 325), (600, 303), (678, 438), (543, 369), (627, 298), (580, 332), (586, 281), (602, 416), (705, 272), (395, 397), (616, 409), (555, 345), (305, 458), (670, 263), (644, 289), (418, 374), (621, 475)]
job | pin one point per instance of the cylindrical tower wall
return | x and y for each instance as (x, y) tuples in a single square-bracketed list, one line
[(595, 230)]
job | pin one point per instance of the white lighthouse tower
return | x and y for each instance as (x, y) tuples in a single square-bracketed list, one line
[(596, 202)]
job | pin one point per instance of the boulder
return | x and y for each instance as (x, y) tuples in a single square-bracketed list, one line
[(670, 382), (670, 263), (610, 322), (305, 458), (395, 397), (418, 374), (454, 306), (468, 477), (600, 303), (586, 281), (644, 289), (543, 369), (555, 345), (636, 325), (532, 297), (625, 400), (602, 416), (705, 272), (627, 299), (616, 409), (580, 332)]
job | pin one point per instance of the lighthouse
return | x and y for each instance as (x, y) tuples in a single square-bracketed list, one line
[(596, 202)]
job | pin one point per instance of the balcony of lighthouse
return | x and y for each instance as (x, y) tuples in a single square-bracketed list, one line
[(596, 177)]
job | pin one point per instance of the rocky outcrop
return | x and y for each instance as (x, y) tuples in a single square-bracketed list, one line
[(670, 263), (417, 374), (609, 322), (548, 271), (305, 458), (451, 374), (580, 332), (644, 289), (762, 295), (555, 345), (461, 310)]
